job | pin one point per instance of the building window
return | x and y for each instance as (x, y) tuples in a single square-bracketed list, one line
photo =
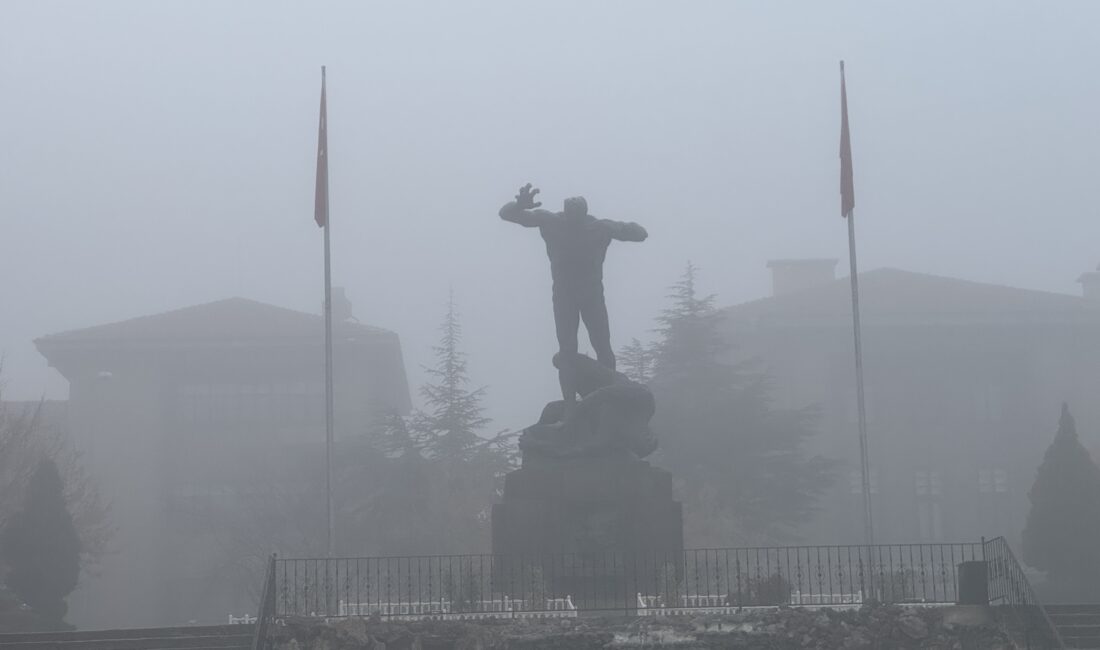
[(207, 404), (855, 482), (991, 481), (929, 523), (927, 483)]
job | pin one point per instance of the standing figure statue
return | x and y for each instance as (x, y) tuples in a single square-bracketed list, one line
[(576, 243)]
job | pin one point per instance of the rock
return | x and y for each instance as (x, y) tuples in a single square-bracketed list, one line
[(353, 630), (857, 640), (769, 629), (913, 627)]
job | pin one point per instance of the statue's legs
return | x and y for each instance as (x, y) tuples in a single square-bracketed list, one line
[(567, 318), (594, 313)]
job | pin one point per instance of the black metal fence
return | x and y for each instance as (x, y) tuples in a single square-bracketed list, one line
[(649, 583), (1010, 589), (266, 613)]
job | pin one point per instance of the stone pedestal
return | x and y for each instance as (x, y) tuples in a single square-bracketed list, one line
[(597, 529)]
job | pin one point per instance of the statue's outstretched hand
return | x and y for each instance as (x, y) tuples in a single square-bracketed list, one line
[(526, 197), (634, 232)]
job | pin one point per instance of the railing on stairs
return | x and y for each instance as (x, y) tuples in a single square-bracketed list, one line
[(693, 579), (1009, 587), (266, 614), (469, 586)]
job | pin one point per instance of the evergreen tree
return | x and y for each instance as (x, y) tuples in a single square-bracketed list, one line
[(41, 547), (445, 474), (1062, 535), (746, 476), (397, 436), (690, 347), (635, 360), (453, 414)]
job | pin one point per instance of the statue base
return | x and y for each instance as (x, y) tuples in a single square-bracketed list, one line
[(598, 529)]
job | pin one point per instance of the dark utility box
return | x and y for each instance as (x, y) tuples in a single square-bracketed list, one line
[(974, 583)]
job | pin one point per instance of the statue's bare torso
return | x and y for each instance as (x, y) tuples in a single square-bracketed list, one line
[(576, 249)]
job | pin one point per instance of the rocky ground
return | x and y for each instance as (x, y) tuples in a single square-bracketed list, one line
[(772, 629), (15, 616)]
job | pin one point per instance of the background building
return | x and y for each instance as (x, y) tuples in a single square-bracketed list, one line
[(964, 383), (192, 411)]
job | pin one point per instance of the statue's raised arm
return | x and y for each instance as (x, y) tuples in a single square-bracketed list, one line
[(524, 210), (624, 230)]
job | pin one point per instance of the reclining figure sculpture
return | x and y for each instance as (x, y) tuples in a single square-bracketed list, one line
[(611, 417)]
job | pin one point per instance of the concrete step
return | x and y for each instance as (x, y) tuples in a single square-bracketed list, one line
[(132, 633), (1078, 630), (234, 637), (1077, 623), (247, 646), (1075, 620), (166, 643), (1074, 608)]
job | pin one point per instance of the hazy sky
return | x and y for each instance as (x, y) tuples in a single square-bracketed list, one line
[(155, 155)]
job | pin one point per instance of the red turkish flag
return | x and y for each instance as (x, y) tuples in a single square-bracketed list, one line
[(847, 186), (320, 206)]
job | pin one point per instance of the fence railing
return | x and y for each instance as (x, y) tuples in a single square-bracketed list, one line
[(266, 614), (1010, 588), (478, 586)]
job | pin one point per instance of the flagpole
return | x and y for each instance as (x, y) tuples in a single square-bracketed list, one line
[(328, 397), (864, 460), (328, 352), (847, 210)]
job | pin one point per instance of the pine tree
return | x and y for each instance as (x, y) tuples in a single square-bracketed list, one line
[(690, 347), (41, 547), (746, 477), (454, 413), (448, 471), (1062, 535), (397, 436), (635, 360)]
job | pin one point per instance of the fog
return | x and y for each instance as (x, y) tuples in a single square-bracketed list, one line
[(157, 155)]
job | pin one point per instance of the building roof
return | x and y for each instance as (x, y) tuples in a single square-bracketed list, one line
[(224, 326), (827, 262), (904, 297), (233, 320)]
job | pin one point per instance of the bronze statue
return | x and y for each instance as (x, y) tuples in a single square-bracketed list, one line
[(612, 416), (576, 243)]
